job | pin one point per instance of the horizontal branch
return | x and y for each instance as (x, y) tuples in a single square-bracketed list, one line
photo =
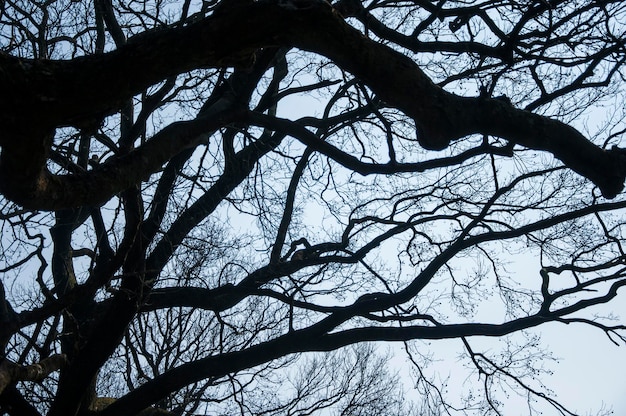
[(78, 91), (11, 372), (298, 131)]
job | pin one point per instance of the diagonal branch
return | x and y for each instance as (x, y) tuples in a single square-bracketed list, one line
[(33, 186), (299, 341)]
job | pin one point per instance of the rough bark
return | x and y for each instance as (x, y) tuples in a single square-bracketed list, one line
[(11, 372)]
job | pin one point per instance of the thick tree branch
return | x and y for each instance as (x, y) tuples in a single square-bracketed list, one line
[(310, 339), (32, 185), (11, 372), (77, 91)]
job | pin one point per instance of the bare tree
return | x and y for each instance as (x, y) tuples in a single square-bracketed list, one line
[(206, 203)]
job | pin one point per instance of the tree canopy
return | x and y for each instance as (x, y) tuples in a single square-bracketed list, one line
[(217, 206)]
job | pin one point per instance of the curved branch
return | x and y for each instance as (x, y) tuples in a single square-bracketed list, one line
[(40, 189), (77, 91), (348, 161), (11, 372), (298, 341)]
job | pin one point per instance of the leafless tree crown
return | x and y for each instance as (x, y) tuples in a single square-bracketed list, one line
[(217, 207)]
